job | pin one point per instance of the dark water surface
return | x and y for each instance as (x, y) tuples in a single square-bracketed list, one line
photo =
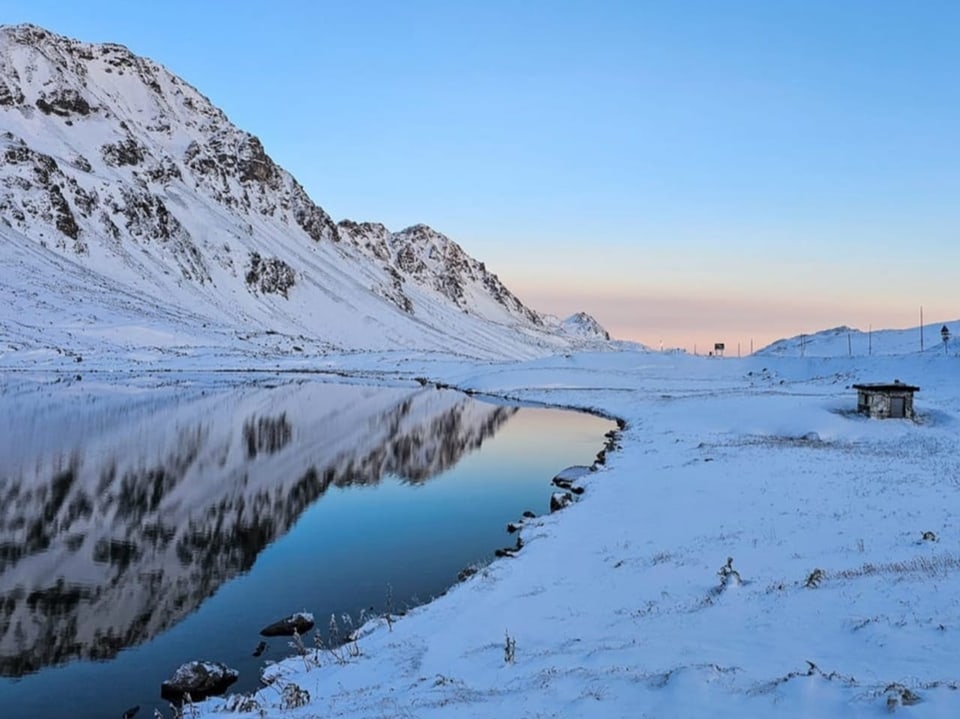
[(144, 524)]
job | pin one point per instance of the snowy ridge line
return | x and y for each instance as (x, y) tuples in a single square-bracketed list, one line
[(848, 341)]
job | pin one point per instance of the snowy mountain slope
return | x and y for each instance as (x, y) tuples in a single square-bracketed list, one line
[(847, 341), (109, 537), (115, 166)]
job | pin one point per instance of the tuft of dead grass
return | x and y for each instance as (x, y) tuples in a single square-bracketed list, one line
[(928, 566)]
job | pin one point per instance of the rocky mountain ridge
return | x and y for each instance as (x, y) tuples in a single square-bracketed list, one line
[(113, 165)]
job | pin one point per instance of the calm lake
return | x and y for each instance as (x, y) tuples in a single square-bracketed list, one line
[(148, 522)]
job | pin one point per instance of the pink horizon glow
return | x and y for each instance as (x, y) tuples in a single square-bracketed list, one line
[(695, 322)]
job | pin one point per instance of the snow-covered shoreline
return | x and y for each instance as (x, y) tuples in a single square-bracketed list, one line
[(615, 604)]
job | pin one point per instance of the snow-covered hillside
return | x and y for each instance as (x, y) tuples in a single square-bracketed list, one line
[(847, 341), (131, 209)]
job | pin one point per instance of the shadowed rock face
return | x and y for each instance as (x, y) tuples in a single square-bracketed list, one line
[(118, 521)]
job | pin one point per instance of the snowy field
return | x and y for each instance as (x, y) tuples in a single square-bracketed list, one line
[(616, 606)]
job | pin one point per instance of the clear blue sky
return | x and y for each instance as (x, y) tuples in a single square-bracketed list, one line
[(688, 172)]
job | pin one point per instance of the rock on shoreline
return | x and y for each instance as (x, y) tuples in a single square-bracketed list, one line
[(301, 622), (199, 679)]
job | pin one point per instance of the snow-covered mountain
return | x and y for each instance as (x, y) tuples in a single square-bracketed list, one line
[(131, 208), (584, 326), (118, 517)]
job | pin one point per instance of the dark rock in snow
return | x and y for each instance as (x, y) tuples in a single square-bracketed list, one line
[(565, 481), (301, 622), (64, 102), (510, 551), (199, 679), (270, 275), (125, 152), (568, 476), (261, 648), (465, 573), (559, 500)]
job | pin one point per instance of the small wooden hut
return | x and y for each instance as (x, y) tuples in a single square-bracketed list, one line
[(886, 400)]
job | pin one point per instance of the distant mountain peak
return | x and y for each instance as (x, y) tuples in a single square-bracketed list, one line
[(583, 325)]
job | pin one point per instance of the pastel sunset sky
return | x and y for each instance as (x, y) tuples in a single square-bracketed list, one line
[(687, 171)]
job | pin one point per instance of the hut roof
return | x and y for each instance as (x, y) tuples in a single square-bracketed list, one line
[(895, 386)]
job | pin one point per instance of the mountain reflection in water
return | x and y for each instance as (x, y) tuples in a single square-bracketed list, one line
[(119, 518)]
